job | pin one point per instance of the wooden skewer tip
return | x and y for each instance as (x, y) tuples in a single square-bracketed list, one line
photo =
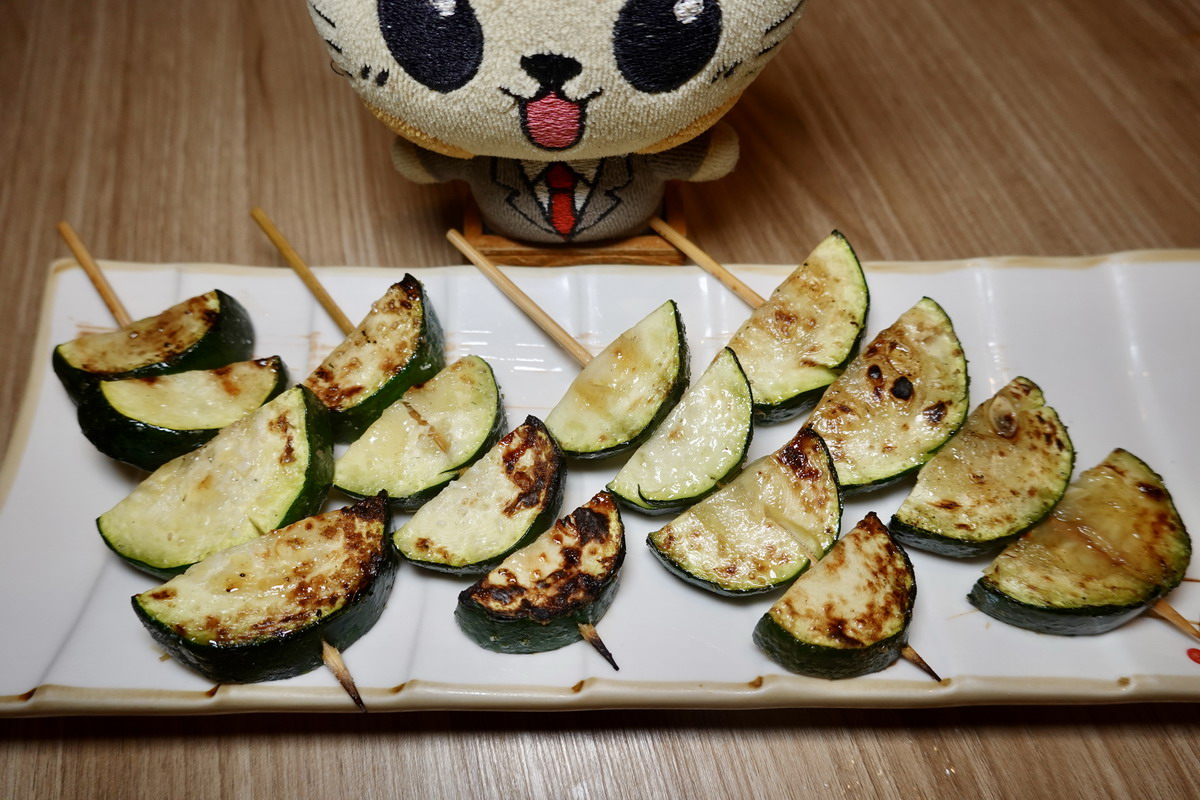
[(913, 657), (333, 660), (593, 638)]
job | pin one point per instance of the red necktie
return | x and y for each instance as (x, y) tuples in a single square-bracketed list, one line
[(561, 180)]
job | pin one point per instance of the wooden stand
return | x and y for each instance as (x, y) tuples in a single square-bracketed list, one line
[(648, 248)]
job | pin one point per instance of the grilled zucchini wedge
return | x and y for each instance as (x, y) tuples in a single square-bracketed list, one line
[(203, 332), (260, 610), (262, 472), (427, 437), (616, 401), (148, 421), (763, 529), (397, 345), (999, 475), (700, 444), (538, 598), (899, 400), (1113, 545), (798, 341), (498, 505), (848, 615)]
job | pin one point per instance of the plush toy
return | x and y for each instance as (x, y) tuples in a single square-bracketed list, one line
[(566, 117)]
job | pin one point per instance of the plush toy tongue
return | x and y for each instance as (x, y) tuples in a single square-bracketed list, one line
[(553, 122)]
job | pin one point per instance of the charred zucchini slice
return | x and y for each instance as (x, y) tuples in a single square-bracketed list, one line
[(849, 614), (696, 448), (203, 332), (539, 596), (899, 400), (397, 345), (262, 472), (762, 530), (1112, 546), (798, 341), (427, 437), (148, 421), (497, 506), (1001, 473), (616, 401), (259, 611)]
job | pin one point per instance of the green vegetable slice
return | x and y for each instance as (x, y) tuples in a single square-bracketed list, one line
[(203, 332), (763, 529), (697, 447), (427, 437), (497, 506), (262, 472), (260, 610), (849, 614), (1113, 545), (798, 341), (148, 421), (1001, 473), (539, 596), (899, 400), (616, 401), (397, 345)]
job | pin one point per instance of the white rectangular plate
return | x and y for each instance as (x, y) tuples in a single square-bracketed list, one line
[(1104, 337)]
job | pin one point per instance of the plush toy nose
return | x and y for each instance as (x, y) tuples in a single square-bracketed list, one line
[(551, 69)]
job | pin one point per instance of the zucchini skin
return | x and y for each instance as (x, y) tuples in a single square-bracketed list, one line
[(426, 360), (912, 536), (831, 663), (711, 586), (317, 482), (535, 629), (277, 657), (1082, 621), (140, 444), (229, 339)]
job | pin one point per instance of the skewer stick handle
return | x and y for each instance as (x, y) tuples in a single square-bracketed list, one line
[(544, 321), (1167, 612), (301, 269), (707, 263), (93, 272)]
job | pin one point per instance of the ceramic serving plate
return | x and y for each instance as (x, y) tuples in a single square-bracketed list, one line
[(1102, 336)]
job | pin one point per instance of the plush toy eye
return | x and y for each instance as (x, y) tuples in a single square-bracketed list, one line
[(437, 42), (660, 44)]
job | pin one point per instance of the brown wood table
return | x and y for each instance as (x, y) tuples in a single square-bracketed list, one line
[(928, 129)]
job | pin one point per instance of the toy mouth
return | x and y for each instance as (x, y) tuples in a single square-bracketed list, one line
[(552, 121)]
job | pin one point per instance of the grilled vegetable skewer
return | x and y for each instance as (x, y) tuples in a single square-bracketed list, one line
[(1111, 548), (554, 591), (271, 608)]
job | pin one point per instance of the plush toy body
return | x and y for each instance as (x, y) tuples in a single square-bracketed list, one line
[(565, 118)]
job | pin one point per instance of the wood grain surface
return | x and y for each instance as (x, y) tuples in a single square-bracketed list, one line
[(926, 129)]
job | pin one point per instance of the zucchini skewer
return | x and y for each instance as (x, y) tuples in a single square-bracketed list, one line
[(622, 394), (397, 345)]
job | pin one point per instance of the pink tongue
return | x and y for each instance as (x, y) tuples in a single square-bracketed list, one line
[(553, 121)]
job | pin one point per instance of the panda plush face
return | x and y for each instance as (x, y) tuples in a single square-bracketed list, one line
[(551, 79)]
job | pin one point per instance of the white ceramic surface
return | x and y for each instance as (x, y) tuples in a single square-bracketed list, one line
[(1102, 336)]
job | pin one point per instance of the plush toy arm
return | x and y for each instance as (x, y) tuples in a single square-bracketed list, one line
[(425, 166), (704, 158)]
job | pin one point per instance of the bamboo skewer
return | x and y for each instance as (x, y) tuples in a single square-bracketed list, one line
[(301, 269), (543, 320), (115, 306), (707, 263), (333, 660), (1165, 611)]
